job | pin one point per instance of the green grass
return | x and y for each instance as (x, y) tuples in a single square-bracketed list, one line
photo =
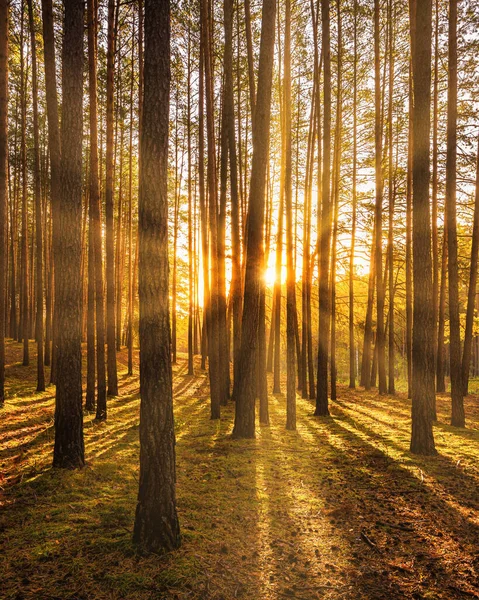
[(338, 509)]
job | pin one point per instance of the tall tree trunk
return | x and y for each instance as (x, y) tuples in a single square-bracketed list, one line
[(13, 324), (335, 190), (435, 152), (380, 337), (409, 219), (203, 209), (245, 386), (365, 379), (422, 440), (288, 193), (191, 255), (391, 199), (38, 209), (69, 447), (176, 211), (53, 146), (471, 295), (90, 323), (249, 46), (235, 212), (24, 305), (306, 358), (441, 350), (222, 309), (95, 211), (3, 181), (129, 333), (156, 522), (119, 249), (109, 233), (49, 283), (325, 232), (457, 416), (214, 358), (352, 356)]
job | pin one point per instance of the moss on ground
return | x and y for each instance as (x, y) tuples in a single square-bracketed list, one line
[(338, 509)]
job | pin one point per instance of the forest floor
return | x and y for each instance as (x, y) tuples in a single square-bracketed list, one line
[(338, 509)]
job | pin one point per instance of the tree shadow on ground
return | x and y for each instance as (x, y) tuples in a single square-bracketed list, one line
[(338, 509)]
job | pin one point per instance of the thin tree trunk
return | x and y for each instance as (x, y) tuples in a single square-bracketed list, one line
[(380, 337), (352, 354), (54, 150), (288, 191), (435, 151), (203, 210), (129, 336), (119, 250), (336, 184), (38, 210), (236, 295), (3, 181), (457, 416), (325, 232), (471, 295), (90, 324), (191, 256), (13, 324), (365, 379), (441, 350), (222, 317), (409, 220), (109, 204), (215, 361), (306, 366), (95, 212), (24, 273), (176, 208), (391, 200), (245, 386)]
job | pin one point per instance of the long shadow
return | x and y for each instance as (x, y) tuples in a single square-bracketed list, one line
[(441, 468), (438, 542), (220, 501)]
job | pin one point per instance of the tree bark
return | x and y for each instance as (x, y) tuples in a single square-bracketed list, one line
[(441, 350), (3, 181), (69, 446), (95, 212), (352, 357), (156, 522), (335, 195), (380, 337), (471, 295), (322, 408), (422, 440), (24, 297), (109, 233), (54, 146), (288, 200), (435, 181), (245, 395), (457, 416), (129, 326), (235, 208), (39, 332), (191, 255), (391, 200)]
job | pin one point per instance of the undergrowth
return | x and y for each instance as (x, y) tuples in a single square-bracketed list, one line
[(337, 509)]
